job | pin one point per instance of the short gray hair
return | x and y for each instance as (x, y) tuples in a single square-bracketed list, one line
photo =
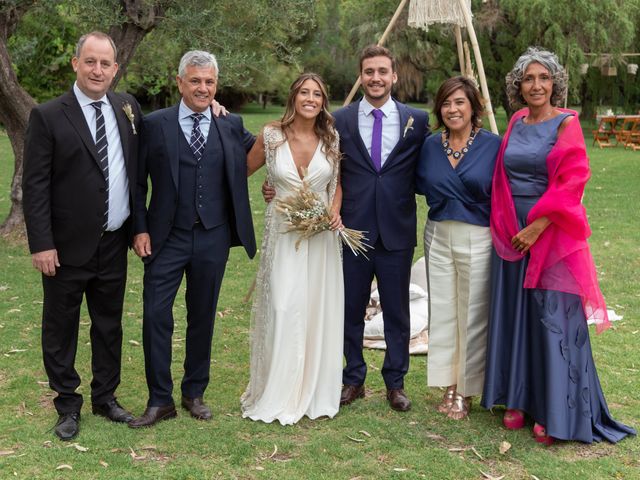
[(197, 58), (548, 60), (96, 34)]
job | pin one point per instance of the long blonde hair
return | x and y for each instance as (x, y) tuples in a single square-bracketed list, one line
[(323, 126)]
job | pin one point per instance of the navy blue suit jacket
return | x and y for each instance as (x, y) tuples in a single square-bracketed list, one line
[(159, 160), (382, 203)]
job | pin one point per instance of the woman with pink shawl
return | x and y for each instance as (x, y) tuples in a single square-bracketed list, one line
[(544, 283)]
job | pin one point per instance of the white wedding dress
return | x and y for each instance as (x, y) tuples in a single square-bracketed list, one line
[(297, 315)]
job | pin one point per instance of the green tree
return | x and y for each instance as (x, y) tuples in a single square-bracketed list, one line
[(252, 40), (568, 28), (128, 21)]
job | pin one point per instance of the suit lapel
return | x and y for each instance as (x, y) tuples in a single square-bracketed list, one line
[(171, 129), (354, 131), (403, 111), (124, 125), (73, 112), (225, 140)]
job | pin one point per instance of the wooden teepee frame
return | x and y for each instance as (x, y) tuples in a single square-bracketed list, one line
[(465, 60)]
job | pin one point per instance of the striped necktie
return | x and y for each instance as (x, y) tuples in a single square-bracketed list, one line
[(103, 155), (197, 141)]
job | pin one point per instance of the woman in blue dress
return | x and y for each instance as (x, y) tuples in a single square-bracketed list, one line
[(544, 285), (454, 172)]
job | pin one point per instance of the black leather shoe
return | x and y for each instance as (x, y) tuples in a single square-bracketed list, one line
[(153, 415), (113, 411), (398, 400), (350, 393), (196, 408), (68, 426)]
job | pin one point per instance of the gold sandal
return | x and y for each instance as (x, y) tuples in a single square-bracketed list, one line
[(447, 400), (460, 408)]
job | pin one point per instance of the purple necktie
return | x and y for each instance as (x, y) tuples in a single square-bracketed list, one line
[(376, 139)]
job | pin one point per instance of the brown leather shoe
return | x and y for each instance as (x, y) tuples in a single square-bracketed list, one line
[(196, 408), (153, 415), (398, 400), (351, 393)]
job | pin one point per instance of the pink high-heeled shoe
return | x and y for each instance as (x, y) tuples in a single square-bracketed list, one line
[(513, 419), (540, 435)]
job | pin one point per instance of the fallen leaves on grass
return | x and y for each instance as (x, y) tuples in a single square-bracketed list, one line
[(78, 447), (23, 409), (135, 343), (4, 453), (365, 433), (135, 456), (16, 350), (64, 466), (104, 464), (473, 449), (275, 450), (357, 440), (491, 477), (397, 469), (504, 447)]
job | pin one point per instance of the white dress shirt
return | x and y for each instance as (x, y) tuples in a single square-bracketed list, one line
[(186, 122), (118, 181), (390, 126)]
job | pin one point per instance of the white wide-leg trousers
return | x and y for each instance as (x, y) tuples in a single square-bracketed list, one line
[(458, 257)]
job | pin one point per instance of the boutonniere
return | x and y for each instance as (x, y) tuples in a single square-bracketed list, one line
[(128, 111), (408, 126)]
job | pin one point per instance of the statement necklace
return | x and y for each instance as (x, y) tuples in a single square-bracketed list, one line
[(455, 153)]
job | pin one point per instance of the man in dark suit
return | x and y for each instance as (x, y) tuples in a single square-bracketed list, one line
[(380, 140), (79, 163), (199, 208)]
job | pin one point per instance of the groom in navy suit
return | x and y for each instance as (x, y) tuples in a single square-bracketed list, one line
[(380, 140), (199, 208)]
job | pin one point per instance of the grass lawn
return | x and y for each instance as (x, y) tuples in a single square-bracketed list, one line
[(366, 440)]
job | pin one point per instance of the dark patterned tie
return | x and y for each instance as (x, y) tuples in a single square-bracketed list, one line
[(197, 141), (103, 155), (376, 139)]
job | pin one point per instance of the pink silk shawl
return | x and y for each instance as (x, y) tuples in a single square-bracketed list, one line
[(560, 259)]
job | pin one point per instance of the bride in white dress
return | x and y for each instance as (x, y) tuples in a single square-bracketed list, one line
[(297, 315)]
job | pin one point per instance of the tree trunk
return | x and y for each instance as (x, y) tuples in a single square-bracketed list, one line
[(16, 103), (141, 19)]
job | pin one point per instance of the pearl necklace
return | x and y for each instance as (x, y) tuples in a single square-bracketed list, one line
[(446, 146)]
